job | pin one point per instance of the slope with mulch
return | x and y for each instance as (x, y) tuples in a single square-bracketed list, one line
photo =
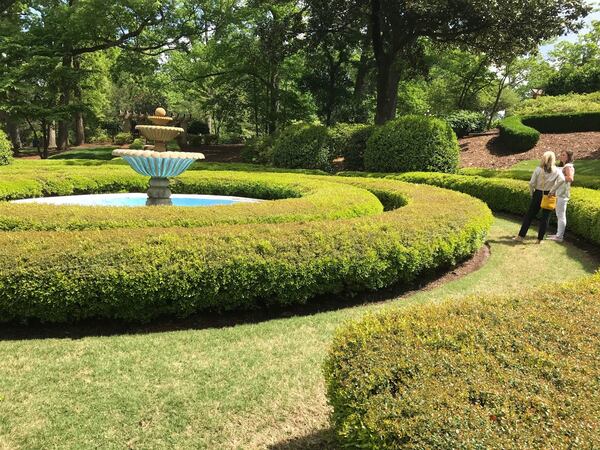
[(485, 151)]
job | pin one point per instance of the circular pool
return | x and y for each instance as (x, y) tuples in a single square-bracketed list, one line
[(137, 199)]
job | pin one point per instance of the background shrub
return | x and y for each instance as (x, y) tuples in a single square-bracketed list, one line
[(194, 140), (413, 143), (340, 135), (516, 136), (258, 150), (198, 127), (501, 372), (123, 138), (6, 154), (302, 146), (354, 155), (137, 144), (465, 122)]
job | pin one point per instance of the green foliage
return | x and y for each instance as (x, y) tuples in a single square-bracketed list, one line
[(516, 136), (123, 138), (194, 140), (198, 127), (564, 122), (258, 150), (137, 144), (354, 155), (578, 80), (412, 143), (517, 371), (465, 122), (571, 103), (304, 146), (140, 273), (6, 154)]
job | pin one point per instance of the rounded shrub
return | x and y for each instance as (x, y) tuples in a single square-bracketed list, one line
[(340, 136), (354, 153), (516, 136), (302, 146), (6, 154), (509, 372), (137, 144), (123, 138), (258, 150), (412, 143)]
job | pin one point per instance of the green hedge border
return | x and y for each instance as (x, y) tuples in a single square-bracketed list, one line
[(138, 274), (521, 133)]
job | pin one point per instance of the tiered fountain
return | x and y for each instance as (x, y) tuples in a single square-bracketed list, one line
[(158, 163)]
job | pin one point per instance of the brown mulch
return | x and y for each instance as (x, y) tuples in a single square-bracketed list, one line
[(484, 151)]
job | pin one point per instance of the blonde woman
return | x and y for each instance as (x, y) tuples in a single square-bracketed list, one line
[(543, 180), (562, 190)]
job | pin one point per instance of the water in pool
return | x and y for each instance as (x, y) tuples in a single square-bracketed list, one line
[(134, 199)]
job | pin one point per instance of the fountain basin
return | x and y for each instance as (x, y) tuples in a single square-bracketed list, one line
[(159, 133), (158, 164), (136, 200)]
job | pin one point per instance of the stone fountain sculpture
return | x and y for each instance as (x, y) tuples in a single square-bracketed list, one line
[(158, 163)]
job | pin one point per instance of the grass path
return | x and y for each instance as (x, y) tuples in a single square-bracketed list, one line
[(248, 386)]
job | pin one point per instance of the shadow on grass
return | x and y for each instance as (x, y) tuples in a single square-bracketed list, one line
[(34, 329), (319, 440)]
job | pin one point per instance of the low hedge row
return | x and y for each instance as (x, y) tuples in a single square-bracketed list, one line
[(516, 372), (564, 122), (516, 136), (310, 200), (137, 274), (513, 196)]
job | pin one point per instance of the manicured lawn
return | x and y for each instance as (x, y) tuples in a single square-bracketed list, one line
[(247, 386), (101, 153), (584, 167)]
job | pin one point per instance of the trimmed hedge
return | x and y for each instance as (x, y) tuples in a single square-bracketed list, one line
[(6, 154), (412, 143), (517, 371), (516, 136), (559, 104), (340, 137), (302, 146), (140, 273), (564, 122)]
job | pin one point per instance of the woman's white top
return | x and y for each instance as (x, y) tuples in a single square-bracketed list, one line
[(544, 181), (563, 187)]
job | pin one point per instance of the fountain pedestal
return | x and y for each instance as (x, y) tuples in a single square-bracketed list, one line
[(159, 163), (159, 193)]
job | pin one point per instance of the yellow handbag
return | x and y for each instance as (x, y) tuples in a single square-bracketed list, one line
[(548, 202)]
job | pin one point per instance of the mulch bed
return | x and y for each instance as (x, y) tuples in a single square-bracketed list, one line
[(485, 151)]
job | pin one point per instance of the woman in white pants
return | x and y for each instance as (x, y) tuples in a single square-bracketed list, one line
[(563, 193)]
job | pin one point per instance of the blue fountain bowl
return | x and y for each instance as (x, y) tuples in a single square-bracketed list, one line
[(158, 164)]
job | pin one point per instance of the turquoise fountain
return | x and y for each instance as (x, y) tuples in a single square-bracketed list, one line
[(158, 163)]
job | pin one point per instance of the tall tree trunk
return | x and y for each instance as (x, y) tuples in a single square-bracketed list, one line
[(51, 136), (387, 75), (79, 122), (62, 138), (14, 135), (387, 92), (273, 102), (501, 87)]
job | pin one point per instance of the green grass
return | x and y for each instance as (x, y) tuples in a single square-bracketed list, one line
[(589, 167), (247, 386)]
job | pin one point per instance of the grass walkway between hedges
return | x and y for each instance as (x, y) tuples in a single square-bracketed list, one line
[(247, 386)]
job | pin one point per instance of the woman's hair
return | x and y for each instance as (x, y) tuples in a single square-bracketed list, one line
[(569, 154), (548, 161)]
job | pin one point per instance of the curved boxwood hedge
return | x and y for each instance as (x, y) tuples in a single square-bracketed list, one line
[(140, 273), (311, 200), (517, 136), (509, 372)]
